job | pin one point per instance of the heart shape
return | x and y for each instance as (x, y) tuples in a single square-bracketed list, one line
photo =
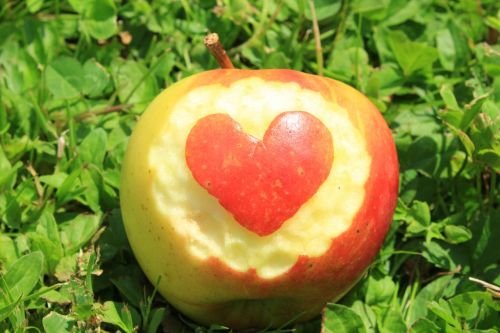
[(262, 183)]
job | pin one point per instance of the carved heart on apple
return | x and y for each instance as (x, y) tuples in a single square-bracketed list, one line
[(257, 196), (262, 183)]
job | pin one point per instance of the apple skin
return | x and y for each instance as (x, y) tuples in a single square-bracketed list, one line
[(209, 291)]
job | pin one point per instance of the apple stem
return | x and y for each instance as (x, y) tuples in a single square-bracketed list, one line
[(217, 50)]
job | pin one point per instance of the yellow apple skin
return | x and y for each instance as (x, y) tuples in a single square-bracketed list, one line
[(210, 291)]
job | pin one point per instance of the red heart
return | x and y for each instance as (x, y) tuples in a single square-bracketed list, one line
[(262, 183)]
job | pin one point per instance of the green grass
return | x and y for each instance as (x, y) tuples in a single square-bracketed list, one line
[(72, 85)]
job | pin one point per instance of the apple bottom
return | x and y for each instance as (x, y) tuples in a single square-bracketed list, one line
[(245, 313), (267, 303), (241, 300)]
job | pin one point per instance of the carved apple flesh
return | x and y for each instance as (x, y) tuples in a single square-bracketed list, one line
[(257, 262), (262, 183)]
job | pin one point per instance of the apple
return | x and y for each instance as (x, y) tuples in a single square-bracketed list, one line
[(257, 196)]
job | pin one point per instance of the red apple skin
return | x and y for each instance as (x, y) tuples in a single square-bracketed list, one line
[(219, 294)]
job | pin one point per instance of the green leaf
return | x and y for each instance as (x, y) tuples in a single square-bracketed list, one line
[(129, 288), (389, 81), (339, 318), (464, 139), (20, 69), (119, 315), (400, 12), (156, 318), (48, 227), (112, 178), (165, 65), (55, 180), (488, 56), (349, 63), (476, 307), (456, 234), (484, 244), (446, 48), (374, 10), (134, 83), (418, 218), (96, 78), (8, 253), (324, 9), (471, 111), (23, 275), (466, 305), (7, 310), (392, 322), (56, 297), (91, 182), (493, 22), (448, 97), (411, 56), (13, 212), (424, 325), (114, 238), (70, 188), (6, 170), (43, 39), (57, 323), (52, 252), (93, 147), (431, 292), (460, 42), (438, 255), (379, 290), (366, 314), (423, 153), (64, 77), (76, 5), (276, 60), (66, 267), (78, 231), (99, 18), (490, 157), (34, 5), (443, 311), (47, 239)]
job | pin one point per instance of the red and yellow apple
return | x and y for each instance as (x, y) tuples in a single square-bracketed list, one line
[(258, 196)]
